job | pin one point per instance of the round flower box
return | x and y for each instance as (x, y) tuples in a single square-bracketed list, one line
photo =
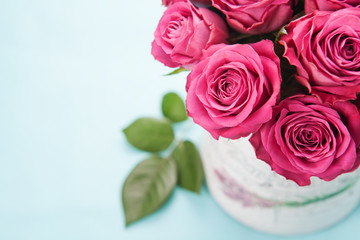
[(251, 192)]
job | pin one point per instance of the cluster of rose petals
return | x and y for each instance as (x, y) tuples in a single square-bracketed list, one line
[(199, 3), (329, 5), (232, 90), (255, 17), (308, 138), (325, 48), (184, 31)]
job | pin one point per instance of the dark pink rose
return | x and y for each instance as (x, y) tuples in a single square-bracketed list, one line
[(232, 90), (329, 5), (325, 48), (255, 17), (308, 138), (184, 31)]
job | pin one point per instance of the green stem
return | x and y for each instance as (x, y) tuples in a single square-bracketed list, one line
[(318, 199)]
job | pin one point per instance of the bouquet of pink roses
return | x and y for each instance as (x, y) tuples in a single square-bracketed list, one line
[(285, 72)]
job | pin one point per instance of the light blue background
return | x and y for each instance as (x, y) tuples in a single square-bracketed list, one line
[(73, 73)]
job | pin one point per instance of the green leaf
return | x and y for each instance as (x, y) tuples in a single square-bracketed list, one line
[(176, 71), (173, 107), (147, 187), (150, 134), (189, 165), (280, 33)]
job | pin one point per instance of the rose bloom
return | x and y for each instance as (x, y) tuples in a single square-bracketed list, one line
[(255, 17), (325, 48), (329, 5), (184, 31), (232, 90), (199, 3), (308, 138)]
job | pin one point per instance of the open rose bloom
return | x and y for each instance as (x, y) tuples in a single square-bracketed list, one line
[(184, 32), (306, 138), (231, 92), (325, 49), (296, 94)]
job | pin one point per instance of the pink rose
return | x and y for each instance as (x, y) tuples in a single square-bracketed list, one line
[(184, 31), (199, 3), (232, 90), (329, 5), (255, 17), (306, 138), (325, 48)]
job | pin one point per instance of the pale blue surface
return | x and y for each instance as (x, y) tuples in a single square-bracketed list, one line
[(73, 73)]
